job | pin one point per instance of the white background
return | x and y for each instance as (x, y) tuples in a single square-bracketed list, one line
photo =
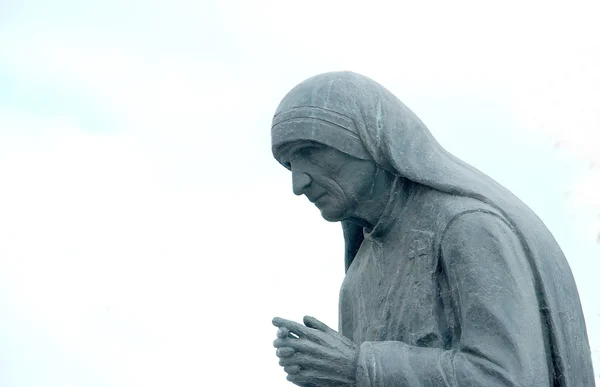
[(147, 236)]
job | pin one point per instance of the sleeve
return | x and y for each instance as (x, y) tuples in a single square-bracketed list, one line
[(501, 337)]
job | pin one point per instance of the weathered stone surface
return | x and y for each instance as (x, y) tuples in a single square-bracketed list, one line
[(450, 279)]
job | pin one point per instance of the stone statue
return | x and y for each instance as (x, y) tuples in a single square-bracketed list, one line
[(450, 279)]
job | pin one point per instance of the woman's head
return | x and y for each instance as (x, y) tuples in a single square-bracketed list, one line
[(333, 126), (357, 116)]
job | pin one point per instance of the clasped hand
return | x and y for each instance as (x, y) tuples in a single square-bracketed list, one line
[(314, 355)]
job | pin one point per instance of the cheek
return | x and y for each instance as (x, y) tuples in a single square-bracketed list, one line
[(349, 194), (357, 185)]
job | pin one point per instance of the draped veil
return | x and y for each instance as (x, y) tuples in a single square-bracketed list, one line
[(360, 117)]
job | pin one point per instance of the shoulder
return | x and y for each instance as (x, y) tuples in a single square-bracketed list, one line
[(447, 207), (441, 213), (472, 235), (476, 222)]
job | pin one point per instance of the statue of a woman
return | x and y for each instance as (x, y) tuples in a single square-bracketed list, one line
[(450, 279)]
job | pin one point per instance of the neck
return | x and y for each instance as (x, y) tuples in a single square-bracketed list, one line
[(369, 211)]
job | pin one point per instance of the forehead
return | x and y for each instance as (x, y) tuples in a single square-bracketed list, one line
[(288, 151)]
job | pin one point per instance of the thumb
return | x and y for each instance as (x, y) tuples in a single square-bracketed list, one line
[(312, 322)]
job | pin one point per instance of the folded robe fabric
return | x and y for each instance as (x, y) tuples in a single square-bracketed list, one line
[(358, 116)]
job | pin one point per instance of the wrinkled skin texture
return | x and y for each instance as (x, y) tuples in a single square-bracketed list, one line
[(314, 354), (339, 185)]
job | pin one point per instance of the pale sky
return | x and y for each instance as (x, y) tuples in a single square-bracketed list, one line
[(148, 237)]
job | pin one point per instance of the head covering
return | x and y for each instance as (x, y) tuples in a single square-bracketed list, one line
[(339, 108)]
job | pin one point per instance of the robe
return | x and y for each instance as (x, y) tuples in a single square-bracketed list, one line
[(440, 293), (475, 237)]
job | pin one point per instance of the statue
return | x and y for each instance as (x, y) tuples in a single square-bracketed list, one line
[(450, 279)]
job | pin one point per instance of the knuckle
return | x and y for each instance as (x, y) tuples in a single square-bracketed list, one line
[(291, 369), (294, 378), (284, 352), (287, 351), (282, 332)]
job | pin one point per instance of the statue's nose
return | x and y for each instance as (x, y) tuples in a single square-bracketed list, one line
[(300, 181)]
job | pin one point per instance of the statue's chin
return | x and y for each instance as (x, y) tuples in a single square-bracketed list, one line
[(332, 215), (330, 219)]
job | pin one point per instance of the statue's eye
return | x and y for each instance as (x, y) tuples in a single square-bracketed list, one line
[(305, 153), (309, 152)]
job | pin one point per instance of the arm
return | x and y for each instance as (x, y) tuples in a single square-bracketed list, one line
[(500, 343)]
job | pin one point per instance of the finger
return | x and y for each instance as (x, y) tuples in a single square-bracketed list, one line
[(305, 385), (286, 342), (317, 378), (301, 345), (304, 379), (304, 361), (312, 322), (300, 360), (300, 380), (294, 369), (294, 327), (285, 352), (283, 332)]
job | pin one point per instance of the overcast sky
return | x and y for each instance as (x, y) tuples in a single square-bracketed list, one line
[(147, 236)]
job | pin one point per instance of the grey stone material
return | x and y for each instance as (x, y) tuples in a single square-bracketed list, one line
[(450, 279)]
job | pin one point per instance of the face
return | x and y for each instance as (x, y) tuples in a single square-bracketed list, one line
[(334, 181)]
